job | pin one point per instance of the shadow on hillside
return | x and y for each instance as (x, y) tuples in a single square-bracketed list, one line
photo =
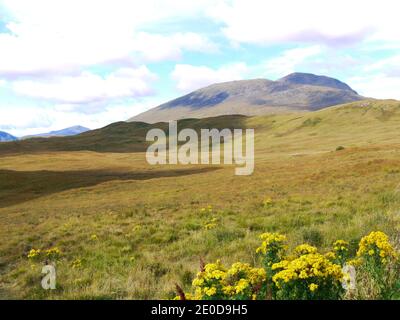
[(20, 186)]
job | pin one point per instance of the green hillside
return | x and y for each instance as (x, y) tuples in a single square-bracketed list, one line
[(116, 137)]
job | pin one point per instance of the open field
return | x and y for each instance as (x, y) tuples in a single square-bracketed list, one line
[(148, 221)]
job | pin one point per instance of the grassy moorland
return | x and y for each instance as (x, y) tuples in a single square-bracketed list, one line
[(130, 230)]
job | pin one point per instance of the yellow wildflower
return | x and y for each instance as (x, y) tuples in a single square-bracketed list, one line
[(330, 255), (242, 285), (305, 249), (211, 224), (340, 246), (210, 291), (308, 266), (94, 237), (313, 287), (53, 252), (76, 264), (376, 244), (271, 240), (34, 253), (229, 290)]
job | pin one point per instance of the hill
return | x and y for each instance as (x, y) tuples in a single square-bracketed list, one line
[(295, 92), (4, 136), (70, 131), (116, 137)]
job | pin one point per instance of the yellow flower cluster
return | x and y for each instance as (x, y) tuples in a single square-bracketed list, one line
[(216, 281), (330, 255), (242, 276), (208, 209), (354, 262), (305, 249), (208, 280), (94, 237), (340, 245), (313, 266), (304, 274), (76, 264), (271, 240), (53, 252), (313, 287), (376, 244), (211, 224), (34, 253), (340, 252)]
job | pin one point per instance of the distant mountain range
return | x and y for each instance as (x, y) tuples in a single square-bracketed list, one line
[(4, 137), (71, 131), (295, 92)]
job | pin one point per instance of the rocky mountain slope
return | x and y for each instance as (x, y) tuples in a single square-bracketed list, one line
[(295, 92)]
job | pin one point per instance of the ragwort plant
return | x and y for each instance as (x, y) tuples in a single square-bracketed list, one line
[(378, 267), (304, 273), (216, 282), (310, 276)]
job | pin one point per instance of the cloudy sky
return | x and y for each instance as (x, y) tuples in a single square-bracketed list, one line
[(75, 62)]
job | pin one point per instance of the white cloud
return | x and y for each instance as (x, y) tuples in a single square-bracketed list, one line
[(379, 86), (64, 36), (289, 60), (88, 87), (27, 120), (83, 62), (16, 120), (55, 53), (379, 79), (331, 22), (389, 66), (153, 47), (189, 77)]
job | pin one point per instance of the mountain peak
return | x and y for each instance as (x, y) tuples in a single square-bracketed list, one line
[(315, 80), (70, 131), (4, 137)]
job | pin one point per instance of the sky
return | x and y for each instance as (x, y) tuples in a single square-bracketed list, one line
[(94, 62)]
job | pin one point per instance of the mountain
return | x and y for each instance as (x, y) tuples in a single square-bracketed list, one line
[(71, 131), (295, 92), (4, 136)]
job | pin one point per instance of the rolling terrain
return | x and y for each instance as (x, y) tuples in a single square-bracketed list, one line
[(130, 230), (117, 137)]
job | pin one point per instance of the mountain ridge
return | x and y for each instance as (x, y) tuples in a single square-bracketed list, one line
[(6, 137), (70, 131), (294, 92)]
